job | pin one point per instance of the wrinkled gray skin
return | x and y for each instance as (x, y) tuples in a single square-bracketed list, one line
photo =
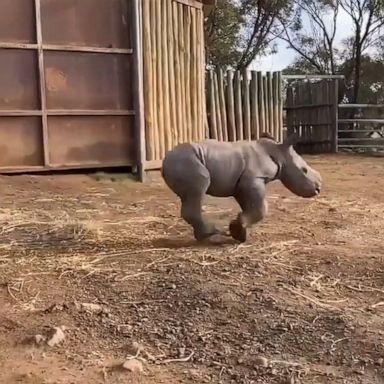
[(240, 169)]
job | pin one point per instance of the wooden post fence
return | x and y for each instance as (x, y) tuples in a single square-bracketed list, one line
[(242, 105)]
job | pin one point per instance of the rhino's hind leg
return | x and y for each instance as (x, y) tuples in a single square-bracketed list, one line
[(186, 176), (191, 212), (251, 198)]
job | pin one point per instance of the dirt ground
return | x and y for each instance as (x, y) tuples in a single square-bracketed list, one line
[(110, 261)]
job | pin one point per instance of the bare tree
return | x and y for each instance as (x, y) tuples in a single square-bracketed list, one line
[(368, 21), (261, 19), (317, 45)]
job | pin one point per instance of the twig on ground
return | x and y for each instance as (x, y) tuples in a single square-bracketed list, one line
[(363, 288), (286, 362), (273, 245), (315, 282), (379, 304), (9, 289), (311, 299), (179, 360), (205, 263), (157, 261), (142, 302), (126, 277)]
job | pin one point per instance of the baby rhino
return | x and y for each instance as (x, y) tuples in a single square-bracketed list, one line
[(240, 169)]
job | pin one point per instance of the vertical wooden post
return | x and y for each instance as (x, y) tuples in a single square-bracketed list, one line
[(212, 106), (177, 74), (147, 80), (280, 106), (255, 129), (246, 105), (139, 96), (335, 115), (201, 103), (155, 143), (238, 106), (171, 75), (269, 102), (231, 107), (159, 77), (194, 80), (217, 107), (187, 61), (260, 81), (164, 76), (181, 49), (43, 96), (222, 106), (266, 102), (290, 112), (276, 121)]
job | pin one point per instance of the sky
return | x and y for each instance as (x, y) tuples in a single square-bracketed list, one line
[(286, 56)]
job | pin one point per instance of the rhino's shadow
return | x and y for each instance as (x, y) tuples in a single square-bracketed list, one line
[(189, 243)]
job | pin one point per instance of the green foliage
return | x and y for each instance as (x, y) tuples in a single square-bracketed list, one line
[(238, 31), (371, 80), (222, 35)]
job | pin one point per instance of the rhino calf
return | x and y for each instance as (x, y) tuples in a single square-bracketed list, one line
[(237, 169)]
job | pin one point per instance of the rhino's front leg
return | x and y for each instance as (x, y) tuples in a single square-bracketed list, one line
[(251, 197), (191, 212)]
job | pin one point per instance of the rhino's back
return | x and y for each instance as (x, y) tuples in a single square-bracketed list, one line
[(225, 163), (220, 162)]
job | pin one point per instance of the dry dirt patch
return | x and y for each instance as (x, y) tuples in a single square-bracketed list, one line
[(301, 302)]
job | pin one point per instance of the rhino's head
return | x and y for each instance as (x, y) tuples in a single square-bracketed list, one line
[(295, 173)]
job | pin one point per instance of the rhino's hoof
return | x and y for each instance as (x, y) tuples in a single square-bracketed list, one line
[(238, 231)]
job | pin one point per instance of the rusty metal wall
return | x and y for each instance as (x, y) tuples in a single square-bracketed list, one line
[(66, 89)]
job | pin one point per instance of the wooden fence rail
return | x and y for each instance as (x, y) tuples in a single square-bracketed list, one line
[(242, 105)]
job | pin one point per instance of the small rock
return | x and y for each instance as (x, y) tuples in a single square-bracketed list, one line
[(133, 365), (380, 361), (57, 337), (92, 308), (39, 339), (135, 348), (124, 328), (194, 373), (261, 361), (181, 352)]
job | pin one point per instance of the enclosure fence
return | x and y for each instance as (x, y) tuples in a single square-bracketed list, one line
[(242, 105), (173, 72), (311, 113), (361, 127)]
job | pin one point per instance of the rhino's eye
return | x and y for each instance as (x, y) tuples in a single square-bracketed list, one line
[(305, 170)]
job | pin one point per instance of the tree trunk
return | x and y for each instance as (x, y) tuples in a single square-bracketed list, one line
[(356, 81)]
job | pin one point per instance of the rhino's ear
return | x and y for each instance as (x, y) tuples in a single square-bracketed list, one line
[(290, 141)]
